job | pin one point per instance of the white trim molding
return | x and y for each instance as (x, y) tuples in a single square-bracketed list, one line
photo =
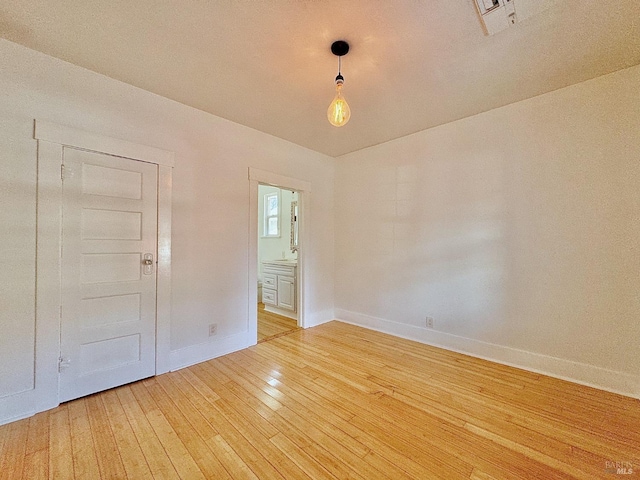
[(163, 278), (52, 139), (44, 394), (612, 381), (277, 180), (303, 188), (73, 137)]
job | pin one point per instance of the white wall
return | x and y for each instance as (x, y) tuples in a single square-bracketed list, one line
[(17, 260), (517, 230), (272, 248), (210, 206)]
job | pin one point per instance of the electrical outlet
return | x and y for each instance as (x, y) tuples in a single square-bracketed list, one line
[(213, 329), (429, 322)]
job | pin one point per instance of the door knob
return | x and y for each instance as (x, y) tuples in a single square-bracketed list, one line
[(147, 262)]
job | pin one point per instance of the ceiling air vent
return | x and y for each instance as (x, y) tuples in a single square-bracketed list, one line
[(498, 15)]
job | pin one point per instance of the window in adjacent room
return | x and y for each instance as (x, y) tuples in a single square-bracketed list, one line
[(272, 215)]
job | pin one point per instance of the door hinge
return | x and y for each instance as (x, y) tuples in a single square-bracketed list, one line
[(63, 363), (62, 171)]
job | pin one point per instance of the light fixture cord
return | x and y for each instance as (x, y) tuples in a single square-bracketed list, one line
[(339, 64)]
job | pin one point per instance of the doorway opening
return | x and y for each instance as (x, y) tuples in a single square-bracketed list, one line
[(278, 273), (277, 262)]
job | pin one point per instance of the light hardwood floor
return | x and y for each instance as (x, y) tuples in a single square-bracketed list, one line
[(272, 325), (335, 401)]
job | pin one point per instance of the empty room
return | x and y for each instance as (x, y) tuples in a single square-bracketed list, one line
[(295, 239)]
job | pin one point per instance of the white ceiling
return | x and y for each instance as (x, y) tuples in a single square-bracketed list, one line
[(266, 63)]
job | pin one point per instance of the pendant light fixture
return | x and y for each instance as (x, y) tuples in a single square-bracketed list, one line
[(339, 111)]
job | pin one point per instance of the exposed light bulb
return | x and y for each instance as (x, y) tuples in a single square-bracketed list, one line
[(339, 112)]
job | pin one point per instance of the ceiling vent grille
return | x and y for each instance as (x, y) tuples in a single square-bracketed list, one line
[(498, 15)]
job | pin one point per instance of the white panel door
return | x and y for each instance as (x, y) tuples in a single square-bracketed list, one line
[(109, 229)]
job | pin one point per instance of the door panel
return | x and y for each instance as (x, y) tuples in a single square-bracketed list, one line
[(108, 302), (111, 225), (111, 268), (109, 353), (111, 182), (98, 312)]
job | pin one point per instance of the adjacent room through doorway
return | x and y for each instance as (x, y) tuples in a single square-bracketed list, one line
[(277, 268)]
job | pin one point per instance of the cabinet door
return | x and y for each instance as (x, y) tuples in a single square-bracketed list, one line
[(286, 293)]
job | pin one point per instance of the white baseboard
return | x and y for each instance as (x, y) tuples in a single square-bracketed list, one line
[(613, 381), (281, 311), (26, 404), (318, 318), (185, 357), (5, 420)]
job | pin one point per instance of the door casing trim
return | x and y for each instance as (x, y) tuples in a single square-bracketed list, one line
[(52, 138), (303, 188)]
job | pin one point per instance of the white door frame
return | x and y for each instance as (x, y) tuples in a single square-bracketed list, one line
[(51, 140), (303, 188)]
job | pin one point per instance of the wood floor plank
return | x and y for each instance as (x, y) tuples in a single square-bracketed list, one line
[(255, 412), (299, 386), (38, 434), (36, 465), (350, 401), (313, 407), (210, 415), (268, 400), (349, 396), (151, 446), (367, 433), (85, 460), (238, 468), (302, 459), (245, 450), (60, 447), (13, 450), (496, 411), (284, 466), (206, 377), (246, 390), (190, 436), (184, 464), (107, 452), (131, 454), (317, 423), (4, 430), (248, 423), (334, 401), (348, 451), (544, 405), (316, 413), (36, 462)]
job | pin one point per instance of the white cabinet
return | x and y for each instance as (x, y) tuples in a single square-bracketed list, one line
[(279, 287)]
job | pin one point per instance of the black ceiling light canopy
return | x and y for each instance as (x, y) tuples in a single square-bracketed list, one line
[(340, 48)]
